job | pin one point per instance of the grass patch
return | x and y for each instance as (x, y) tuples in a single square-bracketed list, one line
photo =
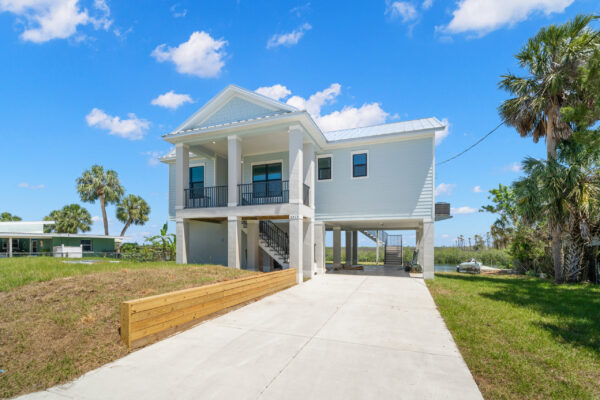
[(66, 323), (524, 337)]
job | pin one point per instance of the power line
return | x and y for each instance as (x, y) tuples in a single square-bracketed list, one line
[(473, 145)]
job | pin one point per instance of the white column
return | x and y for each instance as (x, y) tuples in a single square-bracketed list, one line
[(355, 247), (296, 236), (234, 240), (428, 249), (10, 247), (337, 247), (348, 235), (182, 228), (308, 258), (182, 179), (252, 244), (308, 153), (419, 246), (234, 169), (377, 247), (319, 228), (296, 170)]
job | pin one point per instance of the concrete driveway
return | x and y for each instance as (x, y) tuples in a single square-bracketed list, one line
[(334, 337)]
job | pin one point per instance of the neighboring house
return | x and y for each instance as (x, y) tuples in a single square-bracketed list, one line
[(254, 183), (29, 238)]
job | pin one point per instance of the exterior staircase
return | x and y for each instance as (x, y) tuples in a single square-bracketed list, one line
[(392, 246), (275, 242)]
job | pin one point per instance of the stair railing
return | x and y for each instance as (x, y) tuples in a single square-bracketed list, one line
[(276, 238)]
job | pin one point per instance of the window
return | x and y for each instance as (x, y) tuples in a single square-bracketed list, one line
[(266, 180), (324, 168), (86, 245), (359, 165), (196, 182)]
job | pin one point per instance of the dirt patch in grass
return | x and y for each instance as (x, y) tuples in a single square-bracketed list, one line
[(54, 331)]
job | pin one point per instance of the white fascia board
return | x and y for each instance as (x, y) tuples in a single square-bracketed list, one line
[(389, 138)]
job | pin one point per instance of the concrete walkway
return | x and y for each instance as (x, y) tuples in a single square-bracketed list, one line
[(334, 337)]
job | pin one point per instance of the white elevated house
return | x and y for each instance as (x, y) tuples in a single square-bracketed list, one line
[(255, 183)]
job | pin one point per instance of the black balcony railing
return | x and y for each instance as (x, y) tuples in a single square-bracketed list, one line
[(276, 238), (306, 195), (206, 196), (271, 192)]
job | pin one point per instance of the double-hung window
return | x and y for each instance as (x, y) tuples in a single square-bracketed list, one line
[(359, 164), (86, 245), (266, 180), (196, 182), (324, 168)]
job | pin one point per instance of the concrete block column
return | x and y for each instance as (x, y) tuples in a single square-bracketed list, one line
[(348, 248), (319, 228), (252, 244), (354, 247), (296, 236), (182, 229), (234, 169), (182, 174), (308, 153), (296, 169), (428, 249), (234, 241), (308, 258), (337, 247)]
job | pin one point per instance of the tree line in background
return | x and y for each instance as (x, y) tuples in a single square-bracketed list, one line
[(549, 220)]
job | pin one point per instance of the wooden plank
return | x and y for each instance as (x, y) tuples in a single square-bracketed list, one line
[(126, 323)]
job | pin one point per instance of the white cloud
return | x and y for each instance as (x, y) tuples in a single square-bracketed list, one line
[(153, 157), (427, 4), (96, 218), (348, 117), (276, 92), (513, 167), (445, 236), (477, 189), (402, 9), (464, 210), (132, 128), (201, 55), (288, 39), (484, 16), (46, 20), (25, 185), (444, 189), (176, 12), (441, 135), (172, 100)]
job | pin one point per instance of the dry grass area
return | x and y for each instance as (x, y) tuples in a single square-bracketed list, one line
[(54, 331)]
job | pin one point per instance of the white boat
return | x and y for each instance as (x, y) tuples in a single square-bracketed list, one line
[(471, 267)]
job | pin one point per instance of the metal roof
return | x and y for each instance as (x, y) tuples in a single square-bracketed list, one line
[(34, 235), (412, 126)]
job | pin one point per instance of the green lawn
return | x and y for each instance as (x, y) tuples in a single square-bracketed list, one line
[(524, 338)]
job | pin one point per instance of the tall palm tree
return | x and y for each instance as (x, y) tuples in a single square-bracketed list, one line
[(72, 218), (96, 184), (552, 58), (132, 210), (7, 217)]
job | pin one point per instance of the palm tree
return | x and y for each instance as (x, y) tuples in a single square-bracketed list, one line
[(552, 58), (71, 218), (132, 210), (7, 217), (96, 184)]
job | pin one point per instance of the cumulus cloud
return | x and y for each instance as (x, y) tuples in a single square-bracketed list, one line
[(153, 157), (484, 16), (132, 128), (441, 135), (444, 189), (96, 218), (464, 210), (402, 9), (288, 39), (25, 185), (200, 56), (176, 12), (347, 117), (46, 20), (477, 189), (172, 100), (276, 92), (513, 167)]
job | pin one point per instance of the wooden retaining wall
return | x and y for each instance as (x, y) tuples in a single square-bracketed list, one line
[(150, 318)]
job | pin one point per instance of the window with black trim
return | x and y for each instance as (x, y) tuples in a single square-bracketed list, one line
[(196, 182), (86, 245), (359, 165), (324, 168), (266, 180)]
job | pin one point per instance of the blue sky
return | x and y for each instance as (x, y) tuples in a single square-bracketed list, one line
[(79, 79)]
